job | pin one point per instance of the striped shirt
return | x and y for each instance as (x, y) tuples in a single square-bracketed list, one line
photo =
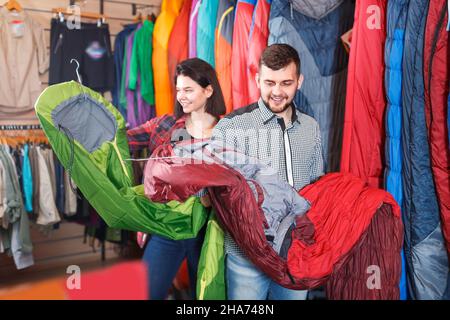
[(295, 150)]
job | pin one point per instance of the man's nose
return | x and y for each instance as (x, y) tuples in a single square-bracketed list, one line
[(276, 90)]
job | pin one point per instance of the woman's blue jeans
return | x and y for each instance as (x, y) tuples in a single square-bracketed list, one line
[(164, 257)]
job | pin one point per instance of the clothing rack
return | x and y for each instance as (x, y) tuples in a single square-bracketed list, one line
[(15, 134), (134, 6), (21, 127)]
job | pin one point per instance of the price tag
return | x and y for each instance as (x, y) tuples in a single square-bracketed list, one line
[(18, 28)]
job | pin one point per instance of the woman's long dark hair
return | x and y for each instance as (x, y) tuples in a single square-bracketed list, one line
[(204, 74)]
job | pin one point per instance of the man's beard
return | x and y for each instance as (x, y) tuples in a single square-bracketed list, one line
[(279, 110)]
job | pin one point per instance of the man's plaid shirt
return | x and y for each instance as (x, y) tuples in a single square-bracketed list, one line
[(295, 150)]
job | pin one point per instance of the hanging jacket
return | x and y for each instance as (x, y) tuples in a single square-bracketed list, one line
[(314, 28), (193, 24), (425, 252), (223, 46), (178, 49), (131, 101), (2, 192), (48, 213), (24, 57), (207, 16), (242, 23), (119, 55), (257, 42), (36, 179), (138, 111), (436, 82), (141, 63), (124, 80), (164, 98), (27, 180), (395, 37)]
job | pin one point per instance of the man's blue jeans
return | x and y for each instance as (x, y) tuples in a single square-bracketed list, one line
[(246, 282)]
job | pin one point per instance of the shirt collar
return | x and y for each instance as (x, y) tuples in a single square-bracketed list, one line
[(267, 114), (181, 122)]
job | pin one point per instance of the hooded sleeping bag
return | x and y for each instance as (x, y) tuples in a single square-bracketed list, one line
[(87, 134), (363, 137), (436, 76), (393, 53), (425, 252), (223, 47), (258, 208), (314, 29)]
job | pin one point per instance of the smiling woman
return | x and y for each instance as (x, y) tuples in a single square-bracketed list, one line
[(198, 108)]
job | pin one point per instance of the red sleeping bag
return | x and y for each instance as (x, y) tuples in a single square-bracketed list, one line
[(239, 56), (342, 210), (257, 43), (435, 71), (363, 140)]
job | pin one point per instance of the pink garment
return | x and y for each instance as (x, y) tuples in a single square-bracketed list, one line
[(193, 28)]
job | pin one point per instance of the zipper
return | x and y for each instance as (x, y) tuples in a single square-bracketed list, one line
[(58, 44), (448, 15), (116, 149), (291, 9), (108, 49)]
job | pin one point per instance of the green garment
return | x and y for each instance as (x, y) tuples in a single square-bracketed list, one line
[(92, 145), (211, 266), (141, 62), (87, 133), (206, 28)]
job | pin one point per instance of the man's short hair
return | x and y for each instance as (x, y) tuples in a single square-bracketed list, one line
[(278, 56)]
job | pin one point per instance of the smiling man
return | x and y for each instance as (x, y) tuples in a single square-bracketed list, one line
[(276, 133)]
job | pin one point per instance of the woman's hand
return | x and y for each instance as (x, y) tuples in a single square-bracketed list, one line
[(206, 201)]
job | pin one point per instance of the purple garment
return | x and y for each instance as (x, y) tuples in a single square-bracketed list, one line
[(145, 110), (138, 111), (193, 28)]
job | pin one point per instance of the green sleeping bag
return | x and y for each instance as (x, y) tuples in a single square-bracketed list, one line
[(88, 135), (211, 266)]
